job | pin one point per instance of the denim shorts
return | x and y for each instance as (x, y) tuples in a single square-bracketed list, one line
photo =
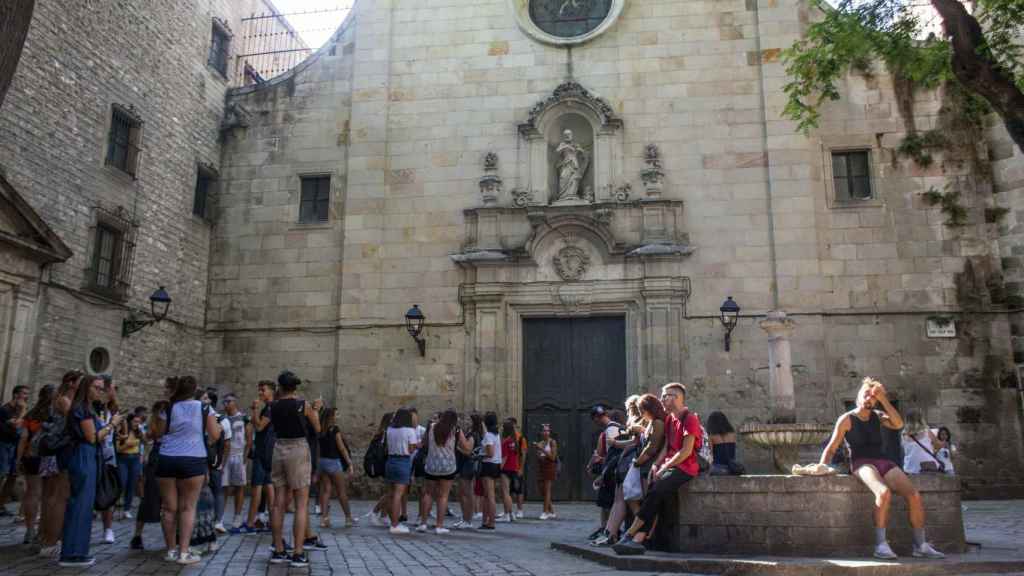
[(260, 474), (398, 470), (331, 466), (181, 467)]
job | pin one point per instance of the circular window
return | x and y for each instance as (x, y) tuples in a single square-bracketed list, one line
[(569, 18), (566, 22), (99, 360)]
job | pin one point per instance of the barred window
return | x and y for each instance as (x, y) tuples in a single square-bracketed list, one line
[(220, 45), (123, 140), (851, 175), (108, 246), (110, 270), (315, 203)]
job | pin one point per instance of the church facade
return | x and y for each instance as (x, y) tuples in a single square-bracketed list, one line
[(569, 190)]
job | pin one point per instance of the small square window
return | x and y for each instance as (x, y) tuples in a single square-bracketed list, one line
[(316, 196), (220, 46), (851, 176), (200, 202), (123, 140)]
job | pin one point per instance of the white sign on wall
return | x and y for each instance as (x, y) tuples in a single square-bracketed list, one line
[(941, 328)]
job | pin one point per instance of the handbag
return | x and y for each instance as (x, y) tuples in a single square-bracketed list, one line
[(937, 466), (108, 484)]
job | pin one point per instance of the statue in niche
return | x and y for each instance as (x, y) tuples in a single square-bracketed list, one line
[(573, 162)]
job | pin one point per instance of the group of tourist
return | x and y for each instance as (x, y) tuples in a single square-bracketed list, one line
[(186, 461)]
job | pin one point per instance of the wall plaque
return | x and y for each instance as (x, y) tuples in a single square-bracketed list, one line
[(941, 328)]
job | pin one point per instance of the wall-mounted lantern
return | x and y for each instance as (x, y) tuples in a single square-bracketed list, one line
[(159, 304), (414, 320), (730, 316)]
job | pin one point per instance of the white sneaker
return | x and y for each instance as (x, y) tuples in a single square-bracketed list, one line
[(503, 518), (262, 518), (543, 515), (478, 515), (219, 527), (190, 558), (519, 515), (400, 529), (421, 528), (441, 531), (108, 536), (171, 556), (926, 551), (128, 515), (552, 516), (884, 552)]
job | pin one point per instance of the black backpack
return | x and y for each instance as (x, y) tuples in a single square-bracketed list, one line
[(376, 457), (54, 437)]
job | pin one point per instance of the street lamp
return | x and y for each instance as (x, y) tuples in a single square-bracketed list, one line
[(730, 316), (159, 305), (414, 320)]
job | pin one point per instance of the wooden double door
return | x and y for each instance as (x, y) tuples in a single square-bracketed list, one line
[(570, 365)]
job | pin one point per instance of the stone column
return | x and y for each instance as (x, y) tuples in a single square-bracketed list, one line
[(780, 385)]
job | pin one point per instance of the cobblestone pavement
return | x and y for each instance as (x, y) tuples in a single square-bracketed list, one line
[(519, 549)]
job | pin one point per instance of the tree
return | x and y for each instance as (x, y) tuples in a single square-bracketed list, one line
[(15, 17), (983, 52)]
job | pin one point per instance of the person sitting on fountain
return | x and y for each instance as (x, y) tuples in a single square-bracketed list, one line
[(862, 430)]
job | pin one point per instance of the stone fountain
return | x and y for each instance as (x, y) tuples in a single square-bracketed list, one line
[(783, 435)]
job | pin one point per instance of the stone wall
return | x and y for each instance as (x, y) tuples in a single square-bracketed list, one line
[(401, 113), (80, 58)]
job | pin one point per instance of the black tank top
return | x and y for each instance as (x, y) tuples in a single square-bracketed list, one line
[(328, 444), (865, 438), (288, 418)]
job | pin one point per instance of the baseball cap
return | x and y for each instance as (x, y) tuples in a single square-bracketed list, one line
[(596, 411)]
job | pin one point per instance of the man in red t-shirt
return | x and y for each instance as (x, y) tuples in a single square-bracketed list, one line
[(682, 440)]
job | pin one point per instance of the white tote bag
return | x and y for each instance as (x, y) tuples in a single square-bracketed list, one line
[(633, 486)]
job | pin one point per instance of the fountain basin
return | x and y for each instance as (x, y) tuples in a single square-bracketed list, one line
[(785, 440)]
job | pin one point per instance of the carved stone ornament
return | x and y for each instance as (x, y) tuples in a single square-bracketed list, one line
[(571, 91), (522, 198), (653, 176), (621, 194), (571, 262), (490, 182)]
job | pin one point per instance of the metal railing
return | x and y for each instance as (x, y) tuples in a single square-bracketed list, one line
[(271, 45)]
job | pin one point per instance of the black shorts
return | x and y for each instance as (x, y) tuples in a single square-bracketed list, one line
[(515, 482), (490, 470), (429, 476), (181, 467), (31, 465)]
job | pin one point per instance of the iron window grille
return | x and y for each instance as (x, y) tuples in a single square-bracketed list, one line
[(316, 196), (123, 142), (851, 175), (206, 180), (113, 253), (220, 47)]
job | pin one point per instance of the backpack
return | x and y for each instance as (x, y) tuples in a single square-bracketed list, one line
[(376, 457), (53, 437), (704, 454)]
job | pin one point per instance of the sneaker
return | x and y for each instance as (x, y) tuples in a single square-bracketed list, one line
[(136, 543), (189, 558), (108, 536), (171, 555), (926, 551), (448, 513), (543, 515), (441, 531), (316, 509), (262, 518), (299, 561), (287, 548), (378, 521), (603, 541), (279, 557), (77, 562), (128, 515), (628, 547), (243, 529), (519, 515), (486, 527), (421, 528), (597, 533), (314, 542), (219, 528), (350, 522), (552, 516), (503, 518), (50, 551), (400, 529), (884, 552), (478, 515)]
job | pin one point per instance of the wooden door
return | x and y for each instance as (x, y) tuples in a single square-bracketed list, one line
[(569, 365)]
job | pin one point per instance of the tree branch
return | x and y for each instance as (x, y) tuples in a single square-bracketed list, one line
[(975, 68)]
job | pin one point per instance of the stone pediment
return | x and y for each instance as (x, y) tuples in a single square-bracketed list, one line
[(504, 235), (21, 227), (571, 94)]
